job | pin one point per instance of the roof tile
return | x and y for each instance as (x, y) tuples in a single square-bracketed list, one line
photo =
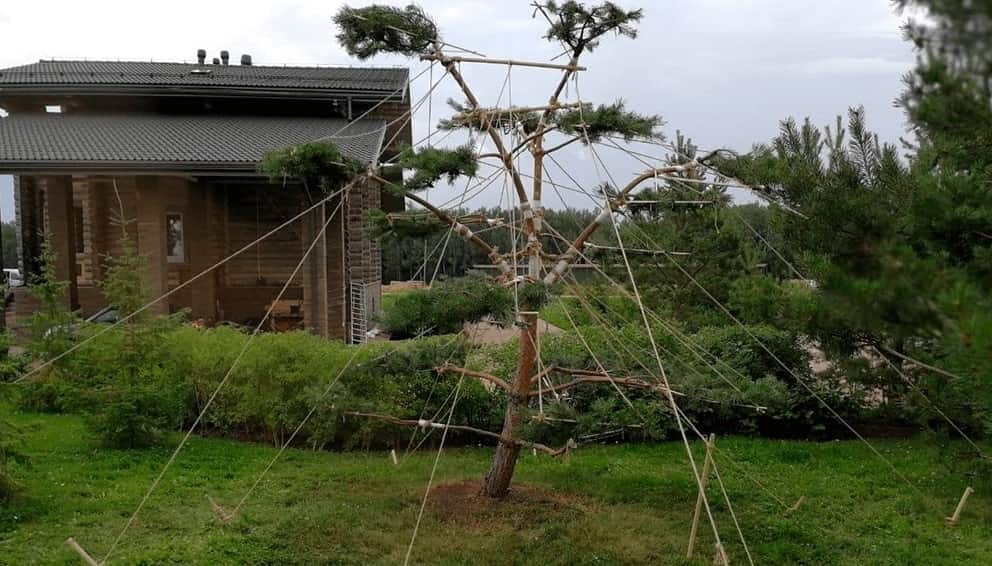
[(144, 139), (137, 73)]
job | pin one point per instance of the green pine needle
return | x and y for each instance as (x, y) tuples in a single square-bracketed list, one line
[(369, 31), (580, 27), (430, 164), (605, 120), (316, 164)]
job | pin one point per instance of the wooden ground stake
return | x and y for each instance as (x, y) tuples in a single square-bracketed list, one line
[(720, 555), (222, 515), (953, 519), (798, 504), (707, 467), (71, 543), (392, 456)]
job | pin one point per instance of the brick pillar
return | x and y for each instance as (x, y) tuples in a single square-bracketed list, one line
[(314, 273), (201, 257), (62, 231), (151, 240)]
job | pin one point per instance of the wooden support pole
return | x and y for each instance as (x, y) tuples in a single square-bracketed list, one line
[(797, 505), (482, 113), (71, 543), (510, 62), (222, 515), (720, 556), (953, 519), (707, 468)]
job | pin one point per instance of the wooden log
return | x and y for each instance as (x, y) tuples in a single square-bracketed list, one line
[(707, 468)]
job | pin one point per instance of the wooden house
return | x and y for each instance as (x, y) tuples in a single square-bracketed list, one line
[(176, 145)]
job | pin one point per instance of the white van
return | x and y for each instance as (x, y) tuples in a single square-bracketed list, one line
[(13, 276)]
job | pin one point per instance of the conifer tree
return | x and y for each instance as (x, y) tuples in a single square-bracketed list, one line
[(579, 29)]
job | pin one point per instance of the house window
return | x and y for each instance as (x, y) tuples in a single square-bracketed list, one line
[(175, 238), (54, 109)]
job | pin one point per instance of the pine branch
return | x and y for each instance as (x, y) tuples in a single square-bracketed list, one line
[(601, 379), (457, 227), (318, 164), (606, 120), (482, 376), (431, 164), (428, 424), (580, 27), (369, 31)]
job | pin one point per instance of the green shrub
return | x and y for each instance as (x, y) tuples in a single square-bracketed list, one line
[(446, 306), (9, 439), (136, 417), (54, 395), (51, 326)]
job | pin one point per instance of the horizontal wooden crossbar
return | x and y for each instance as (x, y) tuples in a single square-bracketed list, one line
[(509, 62)]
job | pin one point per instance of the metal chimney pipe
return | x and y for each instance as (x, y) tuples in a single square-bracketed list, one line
[(225, 57), (201, 56)]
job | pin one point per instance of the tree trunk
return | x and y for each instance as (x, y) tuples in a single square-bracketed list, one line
[(497, 481)]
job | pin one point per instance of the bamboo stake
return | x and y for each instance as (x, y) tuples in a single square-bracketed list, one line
[(720, 556), (707, 468), (222, 515), (510, 62), (483, 112), (798, 504), (71, 543), (953, 519)]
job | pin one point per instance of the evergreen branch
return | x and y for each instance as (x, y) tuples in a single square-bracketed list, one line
[(369, 31), (430, 164), (424, 423), (606, 120)]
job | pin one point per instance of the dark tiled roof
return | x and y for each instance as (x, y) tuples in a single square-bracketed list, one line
[(136, 73), (173, 142)]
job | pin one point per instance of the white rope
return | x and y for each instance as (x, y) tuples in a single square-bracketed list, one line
[(430, 480), (297, 430), (174, 290), (650, 332), (385, 99), (791, 372), (723, 489), (220, 386), (762, 345), (689, 422), (447, 238)]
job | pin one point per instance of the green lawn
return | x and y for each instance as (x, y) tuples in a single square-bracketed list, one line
[(602, 505)]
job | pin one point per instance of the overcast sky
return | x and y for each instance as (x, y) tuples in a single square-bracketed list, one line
[(722, 71)]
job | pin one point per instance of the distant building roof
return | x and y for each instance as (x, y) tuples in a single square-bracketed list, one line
[(137, 74), (36, 142)]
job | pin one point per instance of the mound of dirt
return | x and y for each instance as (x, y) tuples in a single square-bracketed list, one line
[(461, 503), (485, 332)]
